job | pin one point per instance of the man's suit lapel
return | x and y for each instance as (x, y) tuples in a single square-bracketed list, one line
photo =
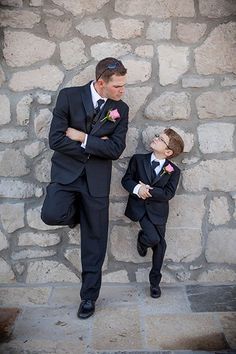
[(107, 106), (156, 179), (88, 104), (147, 166)]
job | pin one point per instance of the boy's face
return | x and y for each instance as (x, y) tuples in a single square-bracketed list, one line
[(160, 143)]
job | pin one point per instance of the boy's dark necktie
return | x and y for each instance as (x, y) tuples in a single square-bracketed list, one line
[(154, 165)]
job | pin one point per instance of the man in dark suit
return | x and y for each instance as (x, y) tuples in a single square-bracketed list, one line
[(88, 131), (151, 180)]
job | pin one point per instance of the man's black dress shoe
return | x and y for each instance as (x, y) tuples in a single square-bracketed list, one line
[(86, 309), (142, 250), (155, 292)]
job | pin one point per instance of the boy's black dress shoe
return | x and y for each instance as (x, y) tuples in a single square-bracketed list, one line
[(86, 309), (155, 292), (142, 250)]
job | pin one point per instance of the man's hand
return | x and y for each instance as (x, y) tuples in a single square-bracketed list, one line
[(144, 191), (104, 138), (75, 135)]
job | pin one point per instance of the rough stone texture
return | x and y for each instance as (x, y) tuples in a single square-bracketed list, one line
[(145, 51), (74, 236), (109, 49), (117, 212), (18, 18), (12, 163), (216, 104), (58, 28), (27, 254), (36, 3), (158, 31), (116, 189), (93, 28), (126, 28), (169, 106), (120, 276), (34, 149), (35, 48), (42, 123), (42, 170), (229, 81), (219, 211), (18, 189), (155, 8), (27, 296), (49, 271), (74, 257), (72, 53), (204, 176), (218, 240), (190, 32), (196, 81), (217, 54), (12, 216), (131, 142), (34, 220), (38, 239), (135, 98), (43, 98), (137, 70), (220, 139), (10, 135), (173, 62), (23, 110), (215, 9), (16, 3), (5, 113), (218, 276), (83, 77), (79, 8), (3, 242), (37, 78), (6, 274), (2, 76)]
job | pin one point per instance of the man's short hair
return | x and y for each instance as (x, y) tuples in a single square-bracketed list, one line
[(108, 67)]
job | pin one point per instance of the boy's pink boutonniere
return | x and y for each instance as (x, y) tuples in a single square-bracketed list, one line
[(167, 169), (112, 115)]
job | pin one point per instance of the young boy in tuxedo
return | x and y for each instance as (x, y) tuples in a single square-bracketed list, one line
[(151, 180)]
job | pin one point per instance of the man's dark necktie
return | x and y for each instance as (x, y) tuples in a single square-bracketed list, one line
[(154, 165), (96, 112)]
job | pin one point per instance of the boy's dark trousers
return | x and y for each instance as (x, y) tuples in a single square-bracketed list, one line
[(154, 236)]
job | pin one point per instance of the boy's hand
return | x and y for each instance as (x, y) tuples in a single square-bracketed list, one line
[(144, 191)]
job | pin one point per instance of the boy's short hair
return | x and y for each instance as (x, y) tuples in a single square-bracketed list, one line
[(108, 67), (176, 143)]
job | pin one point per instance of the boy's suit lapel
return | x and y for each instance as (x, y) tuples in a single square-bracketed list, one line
[(156, 179)]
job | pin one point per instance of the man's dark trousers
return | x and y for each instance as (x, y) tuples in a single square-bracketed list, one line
[(60, 207)]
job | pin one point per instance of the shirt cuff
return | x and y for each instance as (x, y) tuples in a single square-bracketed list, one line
[(83, 145), (136, 189)]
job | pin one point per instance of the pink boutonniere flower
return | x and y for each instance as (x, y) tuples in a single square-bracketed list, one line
[(112, 115), (168, 169)]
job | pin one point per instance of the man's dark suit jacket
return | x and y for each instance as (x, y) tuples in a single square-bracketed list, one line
[(74, 108), (164, 187)]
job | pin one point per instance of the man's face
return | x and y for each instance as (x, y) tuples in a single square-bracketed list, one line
[(114, 88)]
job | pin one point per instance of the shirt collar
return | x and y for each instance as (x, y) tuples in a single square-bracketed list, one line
[(95, 95), (153, 158)]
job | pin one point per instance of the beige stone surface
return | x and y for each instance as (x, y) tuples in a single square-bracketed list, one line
[(12, 163), (116, 189), (109, 49), (217, 275), (12, 216), (218, 240), (23, 110), (10, 135), (43, 169), (34, 149), (169, 106), (72, 53), (216, 9), (16, 3), (126, 28), (3, 242), (18, 18), (82, 6), (228, 322), (27, 254), (35, 48), (131, 142), (196, 81), (136, 97), (83, 77), (173, 62), (219, 139), (204, 175), (42, 123), (43, 98), (36, 3), (49, 271), (190, 32), (229, 81), (42, 239), (117, 210), (93, 27), (37, 78), (117, 329), (217, 54), (145, 51), (219, 211), (169, 8), (137, 70), (35, 222), (159, 30), (18, 189), (5, 113), (215, 104), (6, 274), (2, 76), (74, 236), (24, 296), (57, 27), (184, 331), (119, 276)]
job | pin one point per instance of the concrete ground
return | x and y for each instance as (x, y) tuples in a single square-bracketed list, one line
[(185, 319)]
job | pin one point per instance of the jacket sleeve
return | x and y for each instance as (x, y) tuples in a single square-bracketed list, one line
[(128, 181), (113, 147), (58, 141), (168, 191)]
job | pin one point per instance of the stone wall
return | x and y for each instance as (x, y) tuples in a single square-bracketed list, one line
[(181, 61)]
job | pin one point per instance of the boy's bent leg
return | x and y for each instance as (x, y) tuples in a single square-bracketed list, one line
[(94, 230), (157, 258), (59, 207), (150, 235)]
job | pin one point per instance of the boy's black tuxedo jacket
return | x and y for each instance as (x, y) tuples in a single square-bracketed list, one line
[(74, 108), (164, 187)]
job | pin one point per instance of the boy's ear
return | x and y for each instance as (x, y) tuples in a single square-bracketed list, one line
[(168, 152)]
